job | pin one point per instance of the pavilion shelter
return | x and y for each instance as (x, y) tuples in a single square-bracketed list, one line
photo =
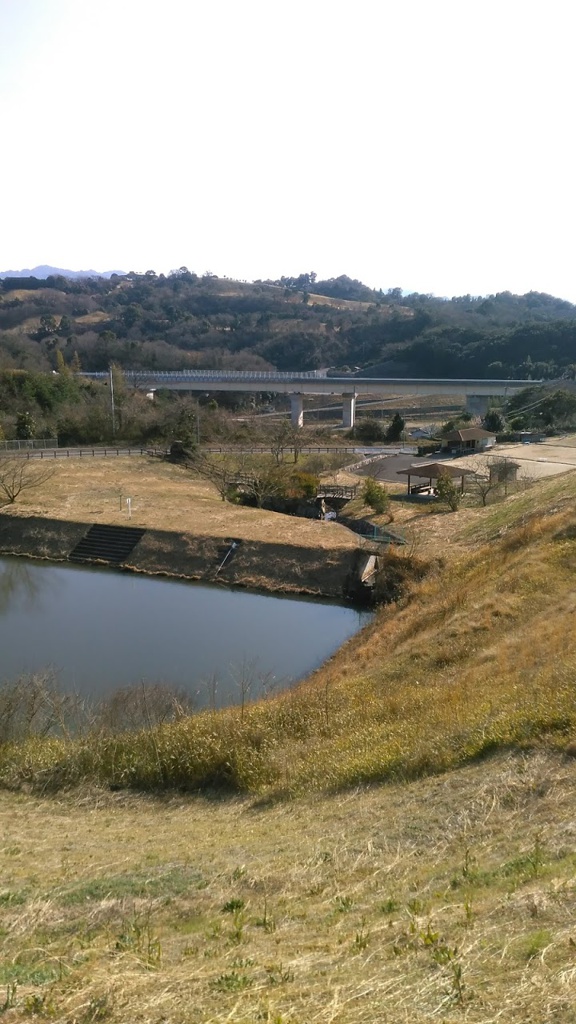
[(430, 471)]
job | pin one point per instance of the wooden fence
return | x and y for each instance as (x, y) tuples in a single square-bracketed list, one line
[(78, 453)]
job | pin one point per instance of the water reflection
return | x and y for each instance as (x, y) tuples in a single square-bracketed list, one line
[(17, 583), (244, 682), (22, 587)]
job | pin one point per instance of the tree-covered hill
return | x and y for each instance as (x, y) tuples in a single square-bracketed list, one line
[(152, 321)]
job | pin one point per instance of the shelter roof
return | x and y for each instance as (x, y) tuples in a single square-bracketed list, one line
[(432, 470)]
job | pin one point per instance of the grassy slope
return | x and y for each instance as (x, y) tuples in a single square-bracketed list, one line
[(447, 897), (481, 656)]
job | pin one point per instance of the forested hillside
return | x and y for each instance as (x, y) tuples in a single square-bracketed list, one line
[(150, 321)]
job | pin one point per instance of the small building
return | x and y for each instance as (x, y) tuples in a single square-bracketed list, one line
[(470, 439), (503, 471)]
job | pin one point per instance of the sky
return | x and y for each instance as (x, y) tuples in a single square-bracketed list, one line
[(421, 144)]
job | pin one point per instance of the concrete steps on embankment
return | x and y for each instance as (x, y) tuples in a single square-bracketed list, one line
[(107, 544)]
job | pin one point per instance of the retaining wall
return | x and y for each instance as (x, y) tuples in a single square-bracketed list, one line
[(281, 568)]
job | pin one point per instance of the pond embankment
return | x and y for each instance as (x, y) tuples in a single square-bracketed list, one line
[(234, 561)]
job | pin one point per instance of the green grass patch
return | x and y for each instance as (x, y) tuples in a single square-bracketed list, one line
[(171, 883), (12, 898), (29, 973), (533, 944)]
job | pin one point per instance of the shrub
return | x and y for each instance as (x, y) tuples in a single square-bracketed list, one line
[(376, 496), (368, 430), (302, 485), (448, 492)]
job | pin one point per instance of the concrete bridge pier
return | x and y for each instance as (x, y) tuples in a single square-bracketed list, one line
[(297, 410), (348, 411), (477, 405)]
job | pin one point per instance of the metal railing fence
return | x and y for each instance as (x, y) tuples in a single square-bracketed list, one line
[(33, 443)]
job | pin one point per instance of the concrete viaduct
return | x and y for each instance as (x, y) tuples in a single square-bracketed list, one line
[(316, 382)]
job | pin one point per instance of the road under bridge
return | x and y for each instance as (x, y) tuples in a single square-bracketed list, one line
[(477, 393)]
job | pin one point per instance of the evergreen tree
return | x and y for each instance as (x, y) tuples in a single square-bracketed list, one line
[(396, 428), (25, 426)]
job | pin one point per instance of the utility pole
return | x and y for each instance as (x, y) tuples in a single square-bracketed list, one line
[(113, 410)]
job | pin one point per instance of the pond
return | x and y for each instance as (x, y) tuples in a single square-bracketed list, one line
[(101, 629)]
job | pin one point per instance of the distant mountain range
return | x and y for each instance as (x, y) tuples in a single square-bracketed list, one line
[(44, 272)]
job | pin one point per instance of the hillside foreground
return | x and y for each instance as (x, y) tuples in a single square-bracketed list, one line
[(393, 840), (446, 899)]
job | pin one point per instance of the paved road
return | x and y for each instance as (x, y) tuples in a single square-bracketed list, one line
[(387, 469)]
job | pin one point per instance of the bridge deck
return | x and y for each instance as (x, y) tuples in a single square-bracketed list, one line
[(312, 382)]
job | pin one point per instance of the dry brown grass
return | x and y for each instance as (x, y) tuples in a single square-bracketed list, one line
[(188, 527), (33, 293), (166, 497), (445, 899), (93, 318)]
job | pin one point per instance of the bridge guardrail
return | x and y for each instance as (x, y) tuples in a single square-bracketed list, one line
[(210, 376)]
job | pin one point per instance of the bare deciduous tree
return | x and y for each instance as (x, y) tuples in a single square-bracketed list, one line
[(482, 486), (263, 480), (221, 472), (493, 477), (287, 438), (35, 706), (255, 476), (18, 474), (142, 706)]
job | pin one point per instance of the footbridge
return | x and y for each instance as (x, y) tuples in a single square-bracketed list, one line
[(316, 382)]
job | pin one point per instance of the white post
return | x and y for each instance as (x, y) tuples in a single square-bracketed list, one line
[(129, 507), (348, 411), (297, 410)]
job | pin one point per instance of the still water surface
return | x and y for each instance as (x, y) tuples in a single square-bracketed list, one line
[(100, 629)]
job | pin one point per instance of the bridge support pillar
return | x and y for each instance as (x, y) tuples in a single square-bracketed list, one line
[(477, 405), (297, 410), (348, 411)]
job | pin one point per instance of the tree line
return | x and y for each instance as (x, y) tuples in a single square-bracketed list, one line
[(184, 320)]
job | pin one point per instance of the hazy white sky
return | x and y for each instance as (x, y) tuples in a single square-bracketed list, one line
[(426, 144)]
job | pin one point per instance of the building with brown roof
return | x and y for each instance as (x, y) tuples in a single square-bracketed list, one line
[(470, 439)]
